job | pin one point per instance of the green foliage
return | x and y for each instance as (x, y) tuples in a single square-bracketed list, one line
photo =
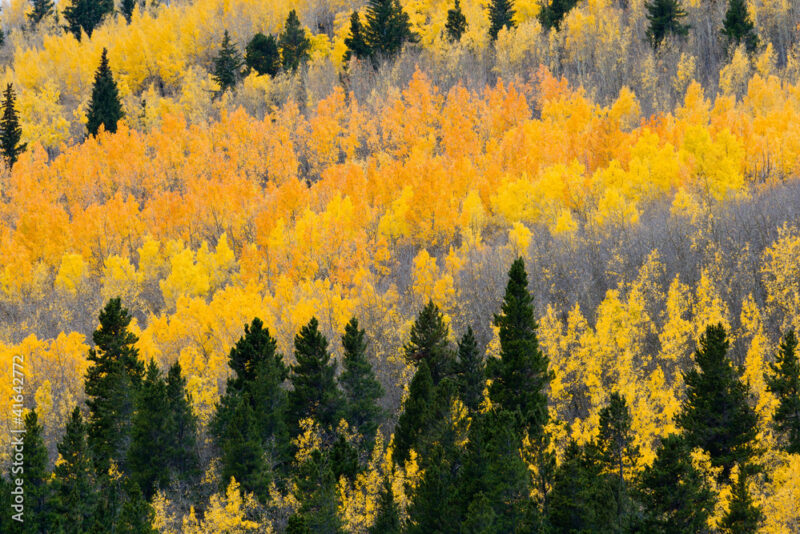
[(262, 54), (715, 415), (136, 515), (35, 477), (227, 64), (387, 520), (674, 495), (618, 455), (737, 25), (40, 10), (126, 8), (470, 372), (553, 13), (783, 379), (428, 342), (456, 23), (297, 525), (432, 508), (501, 15), (416, 416), (316, 491), (111, 383), (387, 28), (86, 15), (362, 391), (104, 107), (10, 131), (520, 376), (743, 516), (182, 459), (357, 46), (73, 480), (293, 43), (664, 18)]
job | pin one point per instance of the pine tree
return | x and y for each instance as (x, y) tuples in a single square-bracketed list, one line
[(86, 15), (456, 23), (664, 17), (297, 524), (470, 372), (136, 515), (148, 455), (356, 45), (387, 520), (343, 459), (104, 107), (73, 481), (227, 64), (501, 15), (428, 342), (40, 10), (10, 131), (715, 415), (742, 517), (182, 457), (111, 382), (783, 379), (387, 28), (553, 12), (317, 493), (314, 391), (241, 450), (618, 454), (674, 494), (126, 8), (35, 477), (262, 54), (738, 27), (293, 43), (520, 376), (432, 508), (362, 391), (416, 415)]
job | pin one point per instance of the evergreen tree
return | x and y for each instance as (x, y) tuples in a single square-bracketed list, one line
[(742, 517), (314, 391), (317, 493), (149, 453), (136, 515), (10, 131), (126, 8), (241, 450), (297, 524), (38, 516), (501, 15), (428, 342), (361, 389), (104, 107), (387, 28), (520, 376), (182, 459), (470, 372), (456, 23), (344, 459), (356, 45), (227, 64), (262, 54), (293, 43), (416, 416), (75, 494), (738, 27), (715, 415), (664, 17), (111, 382), (432, 508), (783, 379), (86, 15), (674, 494), (554, 11), (387, 520), (40, 10), (618, 454)]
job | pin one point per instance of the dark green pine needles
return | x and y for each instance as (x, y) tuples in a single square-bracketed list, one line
[(227, 64), (104, 108), (10, 131)]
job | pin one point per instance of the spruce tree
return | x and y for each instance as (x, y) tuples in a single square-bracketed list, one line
[(743, 516), (111, 383), (126, 8), (314, 391), (416, 415), (40, 10), (362, 391), (715, 415), (182, 457), (86, 15), (241, 449), (297, 524), (387, 28), (783, 380), (520, 376), (432, 508), (387, 520), (664, 18), (356, 45), (136, 515), (738, 27), (673, 493), (262, 54), (470, 372), (227, 64), (293, 43), (317, 493), (10, 131), (104, 107), (456, 23), (554, 11), (74, 492), (428, 342), (149, 453), (501, 15), (38, 516)]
